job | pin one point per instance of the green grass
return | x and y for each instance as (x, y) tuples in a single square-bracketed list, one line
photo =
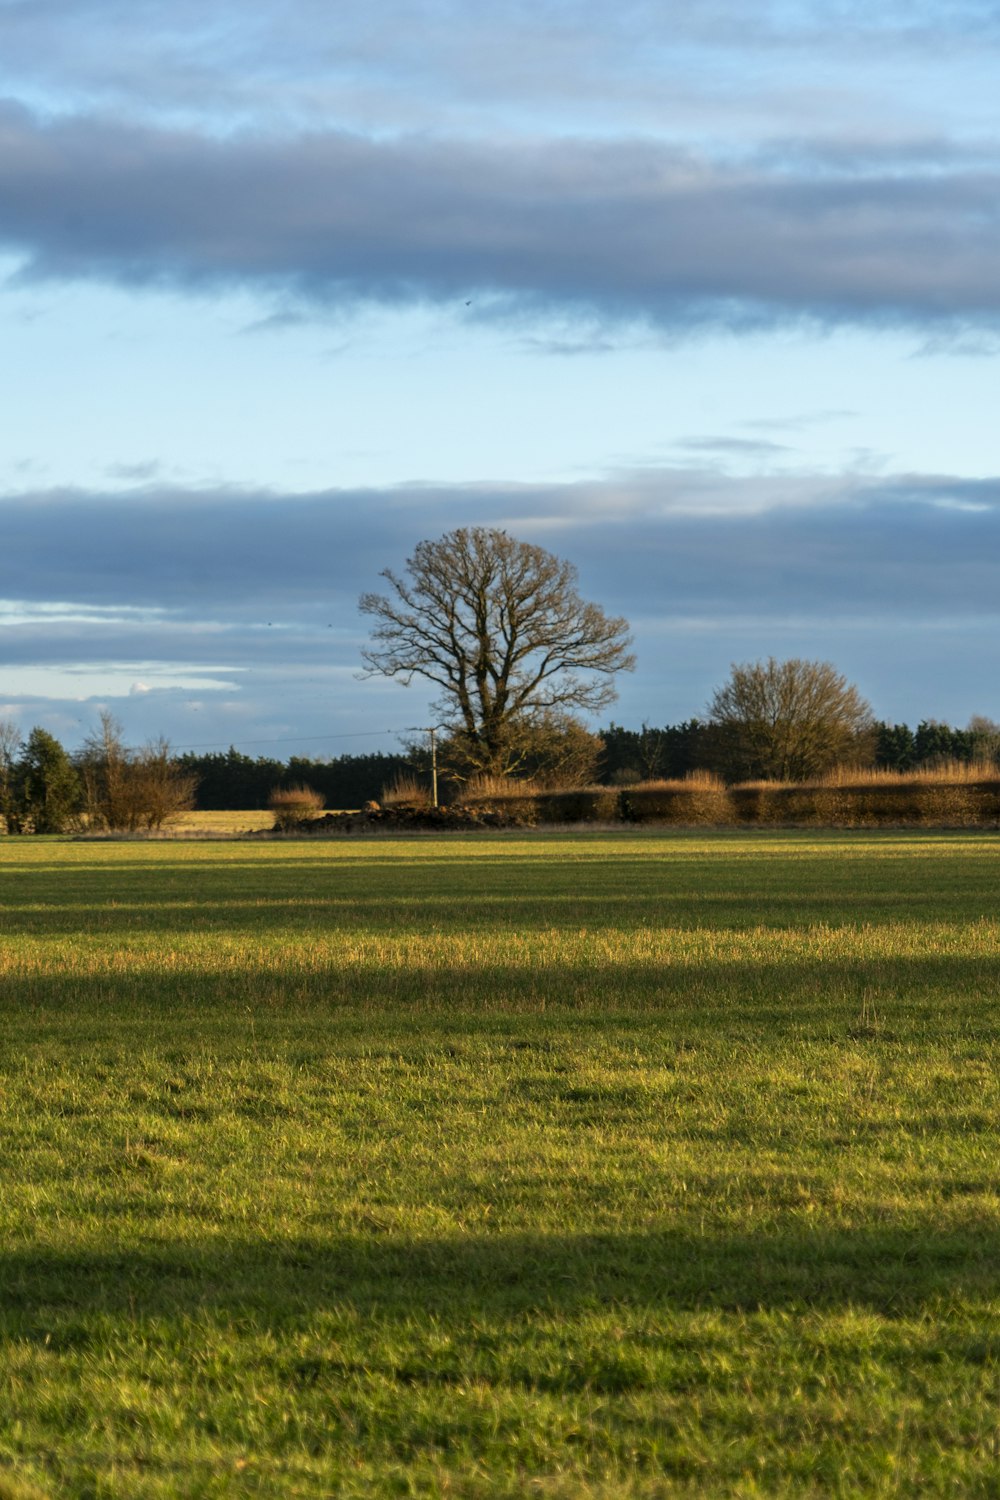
[(579, 1165)]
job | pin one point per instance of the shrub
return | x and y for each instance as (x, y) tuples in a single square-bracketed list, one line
[(294, 806), (161, 791)]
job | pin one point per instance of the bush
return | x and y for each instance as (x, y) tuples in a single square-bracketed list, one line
[(487, 788), (294, 806), (161, 791)]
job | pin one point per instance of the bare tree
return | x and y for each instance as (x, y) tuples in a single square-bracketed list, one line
[(161, 791), (105, 764), (127, 789), (499, 627), (985, 736), (11, 746), (789, 720)]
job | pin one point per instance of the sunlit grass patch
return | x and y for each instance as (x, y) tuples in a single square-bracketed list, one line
[(226, 821)]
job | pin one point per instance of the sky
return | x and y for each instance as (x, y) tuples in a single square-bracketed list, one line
[(703, 297)]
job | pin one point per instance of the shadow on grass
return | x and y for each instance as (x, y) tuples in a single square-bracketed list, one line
[(924, 997), (895, 1270), (318, 896)]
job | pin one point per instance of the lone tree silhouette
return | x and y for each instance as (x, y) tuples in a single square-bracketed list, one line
[(499, 627)]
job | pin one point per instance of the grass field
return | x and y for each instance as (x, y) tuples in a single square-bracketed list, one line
[(579, 1165)]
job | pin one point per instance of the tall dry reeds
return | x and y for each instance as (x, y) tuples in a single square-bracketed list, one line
[(947, 772), (487, 788), (405, 791), (294, 806)]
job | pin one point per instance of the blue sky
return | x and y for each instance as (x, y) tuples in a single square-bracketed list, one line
[(703, 297)]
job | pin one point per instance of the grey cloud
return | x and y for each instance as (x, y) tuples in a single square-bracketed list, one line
[(799, 421), (276, 322), (280, 572), (147, 469), (737, 447), (631, 231), (259, 52), (301, 651), (571, 348)]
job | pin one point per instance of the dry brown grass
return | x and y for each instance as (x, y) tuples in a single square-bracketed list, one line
[(691, 781), (487, 788), (247, 820), (292, 806), (943, 773), (405, 791)]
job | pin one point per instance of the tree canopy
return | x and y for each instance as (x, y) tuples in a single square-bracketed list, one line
[(788, 720), (499, 626)]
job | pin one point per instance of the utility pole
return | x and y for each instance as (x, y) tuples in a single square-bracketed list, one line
[(432, 730)]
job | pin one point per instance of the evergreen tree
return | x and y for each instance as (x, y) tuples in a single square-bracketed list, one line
[(895, 747), (47, 786)]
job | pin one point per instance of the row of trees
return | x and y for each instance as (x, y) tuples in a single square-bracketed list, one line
[(107, 785), (43, 789), (676, 749), (615, 756), (232, 780)]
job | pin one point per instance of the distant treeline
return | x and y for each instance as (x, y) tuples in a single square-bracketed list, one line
[(677, 749), (232, 780), (236, 781)]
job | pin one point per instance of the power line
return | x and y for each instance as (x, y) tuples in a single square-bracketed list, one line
[(288, 739)]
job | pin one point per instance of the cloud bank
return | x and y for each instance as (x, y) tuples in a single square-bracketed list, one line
[(630, 231), (254, 594), (179, 566), (249, 56)]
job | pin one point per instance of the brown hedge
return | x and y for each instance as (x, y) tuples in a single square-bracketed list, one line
[(591, 804), (678, 802), (869, 803)]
